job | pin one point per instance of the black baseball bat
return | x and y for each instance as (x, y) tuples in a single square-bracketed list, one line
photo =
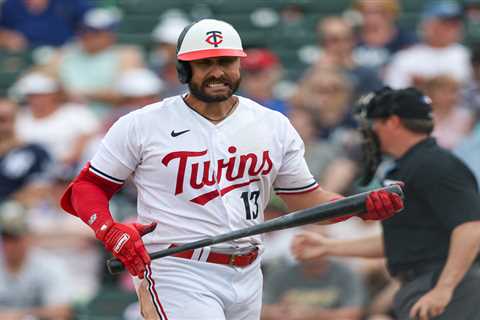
[(347, 206)]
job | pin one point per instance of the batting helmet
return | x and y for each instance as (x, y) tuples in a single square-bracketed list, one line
[(207, 38)]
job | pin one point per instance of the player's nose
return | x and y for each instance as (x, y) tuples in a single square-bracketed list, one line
[(216, 71)]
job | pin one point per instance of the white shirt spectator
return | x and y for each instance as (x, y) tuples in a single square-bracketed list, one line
[(43, 281), (59, 131), (425, 62)]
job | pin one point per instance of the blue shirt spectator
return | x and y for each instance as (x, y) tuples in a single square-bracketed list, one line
[(45, 22), (21, 166)]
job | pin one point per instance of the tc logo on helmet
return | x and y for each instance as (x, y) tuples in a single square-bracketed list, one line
[(214, 38)]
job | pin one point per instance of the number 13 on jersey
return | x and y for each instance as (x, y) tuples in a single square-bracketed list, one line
[(251, 197)]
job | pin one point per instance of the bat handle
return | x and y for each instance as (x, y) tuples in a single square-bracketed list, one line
[(114, 266)]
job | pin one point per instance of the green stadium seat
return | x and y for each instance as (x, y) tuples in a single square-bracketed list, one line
[(412, 6), (138, 23), (141, 39), (327, 6), (409, 21), (12, 65), (152, 6), (109, 304)]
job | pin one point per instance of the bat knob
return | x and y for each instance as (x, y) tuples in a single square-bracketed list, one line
[(396, 188), (114, 266)]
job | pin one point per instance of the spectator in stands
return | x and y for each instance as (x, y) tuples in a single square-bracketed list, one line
[(329, 163), (469, 151), (65, 238), (163, 56), (89, 67), (31, 23), (453, 122), (471, 94), (137, 88), (23, 166), (439, 52), (379, 36), (321, 289), (338, 41), (261, 72), (33, 285), (328, 94), (62, 127)]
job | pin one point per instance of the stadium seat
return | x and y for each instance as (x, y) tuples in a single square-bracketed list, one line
[(138, 23), (12, 65), (109, 304)]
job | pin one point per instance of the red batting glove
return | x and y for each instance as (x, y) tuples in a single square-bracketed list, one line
[(382, 205), (125, 242)]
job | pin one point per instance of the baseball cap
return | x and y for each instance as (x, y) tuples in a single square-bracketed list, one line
[(37, 83), (139, 83), (168, 30), (259, 60), (13, 219), (408, 103), (101, 19), (442, 9), (209, 38)]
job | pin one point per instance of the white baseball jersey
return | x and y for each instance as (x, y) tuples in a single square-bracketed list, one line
[(198, 179)]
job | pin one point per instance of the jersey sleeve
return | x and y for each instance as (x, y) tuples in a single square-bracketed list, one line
[(451, 191), (119, 152), (293, 175)]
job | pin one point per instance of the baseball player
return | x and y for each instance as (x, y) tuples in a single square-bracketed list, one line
[(204, 163)]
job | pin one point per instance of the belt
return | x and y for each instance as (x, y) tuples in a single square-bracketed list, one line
[(237, 260)]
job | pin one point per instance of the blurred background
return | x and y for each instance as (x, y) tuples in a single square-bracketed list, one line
[(70, 68)]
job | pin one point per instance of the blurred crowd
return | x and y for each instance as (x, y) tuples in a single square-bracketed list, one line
[(82, 79)]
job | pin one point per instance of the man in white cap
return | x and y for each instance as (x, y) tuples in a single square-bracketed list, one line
[(204, 163), (163, 56), (60, 126), (34, 284), (139, 87)]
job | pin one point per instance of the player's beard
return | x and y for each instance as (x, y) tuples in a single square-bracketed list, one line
[(198, 91)]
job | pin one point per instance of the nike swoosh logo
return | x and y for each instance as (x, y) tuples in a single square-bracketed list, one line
[(176, 134)]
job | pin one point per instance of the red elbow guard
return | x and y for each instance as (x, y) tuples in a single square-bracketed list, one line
[(87, 197)]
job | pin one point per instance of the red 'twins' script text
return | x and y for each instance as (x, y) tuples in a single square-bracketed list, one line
[(248, 166)]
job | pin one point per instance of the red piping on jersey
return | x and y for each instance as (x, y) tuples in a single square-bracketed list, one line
[(206, 197), (154, 295)]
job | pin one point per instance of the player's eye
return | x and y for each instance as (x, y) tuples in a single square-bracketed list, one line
[(225, 61)]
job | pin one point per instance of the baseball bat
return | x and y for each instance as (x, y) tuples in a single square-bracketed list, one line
[(346, 206)]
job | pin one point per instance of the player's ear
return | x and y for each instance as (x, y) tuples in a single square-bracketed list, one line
[(394, 121)]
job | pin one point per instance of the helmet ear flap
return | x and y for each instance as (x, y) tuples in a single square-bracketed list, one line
[(184, 71)]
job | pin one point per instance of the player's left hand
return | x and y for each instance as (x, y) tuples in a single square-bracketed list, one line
[(382, 205), (432, 304)]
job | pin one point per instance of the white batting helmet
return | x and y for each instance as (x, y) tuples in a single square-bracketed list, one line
[(207, 38)]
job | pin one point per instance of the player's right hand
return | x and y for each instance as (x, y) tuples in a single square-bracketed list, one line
[(125, 242), (310, 245)]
